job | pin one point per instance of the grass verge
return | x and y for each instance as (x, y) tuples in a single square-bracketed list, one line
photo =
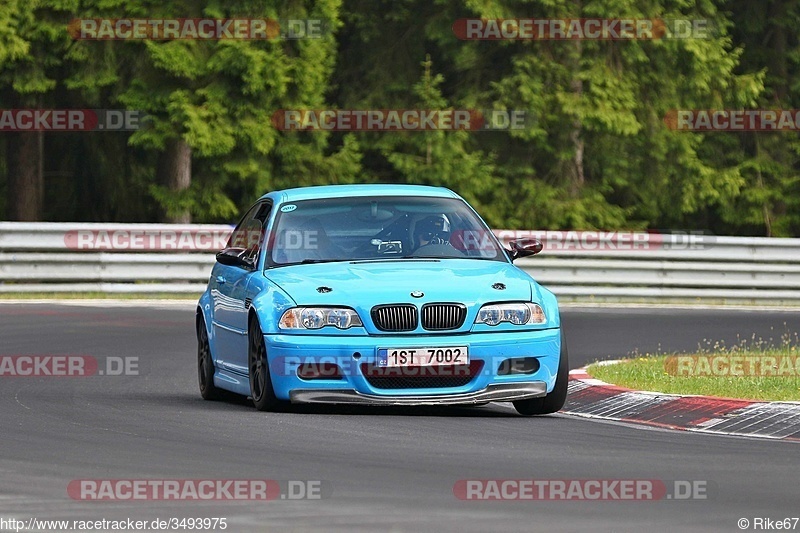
[(750, 370)]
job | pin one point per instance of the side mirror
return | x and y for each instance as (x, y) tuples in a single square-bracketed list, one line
[(525, 247), (235, 257)]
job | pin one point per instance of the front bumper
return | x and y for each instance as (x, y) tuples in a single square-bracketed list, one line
[(499, 392), (350, 352)]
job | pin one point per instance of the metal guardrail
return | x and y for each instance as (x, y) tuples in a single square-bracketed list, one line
[(158, 258)]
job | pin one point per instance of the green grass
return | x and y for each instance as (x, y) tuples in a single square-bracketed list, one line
[(97, 296), (660, 373)]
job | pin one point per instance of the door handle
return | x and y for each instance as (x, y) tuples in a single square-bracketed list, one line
[(221, 280)]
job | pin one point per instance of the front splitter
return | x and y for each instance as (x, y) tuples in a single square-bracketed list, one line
[(500, 392)]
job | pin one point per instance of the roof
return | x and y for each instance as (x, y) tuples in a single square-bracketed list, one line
[(339, 191)]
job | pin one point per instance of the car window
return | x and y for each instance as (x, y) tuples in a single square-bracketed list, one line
[(345, 229), (248, 234)]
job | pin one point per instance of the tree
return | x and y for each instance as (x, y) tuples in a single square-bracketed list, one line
[(597, 153), (769, 162), (33, 41), (211, 102)]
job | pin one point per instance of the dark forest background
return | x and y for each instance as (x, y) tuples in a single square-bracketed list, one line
[(599, 154)]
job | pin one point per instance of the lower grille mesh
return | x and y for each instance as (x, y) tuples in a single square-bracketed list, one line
[(432, 377)]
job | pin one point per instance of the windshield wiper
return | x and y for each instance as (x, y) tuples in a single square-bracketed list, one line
[(392, 258), (367, 260), (315, 261)]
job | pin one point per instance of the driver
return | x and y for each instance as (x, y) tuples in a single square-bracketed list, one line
[(434, 229)]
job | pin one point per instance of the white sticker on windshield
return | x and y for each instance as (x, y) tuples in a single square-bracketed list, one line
[(288, 207)]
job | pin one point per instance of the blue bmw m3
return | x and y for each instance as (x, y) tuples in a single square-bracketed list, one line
[(377, 294)]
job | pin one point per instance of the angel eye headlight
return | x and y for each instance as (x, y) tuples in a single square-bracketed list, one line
[(491, 315), (514, 313), (517, 316), (342, 318), (312, 318), (319, 317)]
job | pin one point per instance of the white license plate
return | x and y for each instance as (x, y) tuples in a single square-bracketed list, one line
[(401, 357)]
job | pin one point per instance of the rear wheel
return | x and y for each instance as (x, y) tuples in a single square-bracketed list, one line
[(205, 364), (554, 401), (261, 390)]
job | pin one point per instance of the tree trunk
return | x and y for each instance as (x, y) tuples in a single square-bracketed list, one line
[(765, 208), (175, 172), (578, 177), (576, 135), (24, 159)]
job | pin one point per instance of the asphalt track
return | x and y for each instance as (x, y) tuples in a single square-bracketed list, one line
[(382, 469)]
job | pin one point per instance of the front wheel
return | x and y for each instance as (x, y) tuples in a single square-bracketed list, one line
[(554, 401), (261, 390), (205, 364)]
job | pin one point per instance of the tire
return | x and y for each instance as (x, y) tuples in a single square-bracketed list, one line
[(261, 391), (554, 401), (205, 363)]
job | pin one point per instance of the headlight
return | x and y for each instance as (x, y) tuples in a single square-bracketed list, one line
[(515, 313), (319, 317)]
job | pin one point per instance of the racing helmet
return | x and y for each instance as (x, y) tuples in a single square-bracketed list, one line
[(434, 229)]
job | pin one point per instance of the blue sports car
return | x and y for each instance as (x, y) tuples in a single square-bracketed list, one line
[(377, 294)]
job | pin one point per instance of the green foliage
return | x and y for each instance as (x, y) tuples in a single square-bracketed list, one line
[(33, 42), (440, 157), (597, 153)]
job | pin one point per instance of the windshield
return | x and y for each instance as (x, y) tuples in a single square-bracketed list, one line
[(368, 228)]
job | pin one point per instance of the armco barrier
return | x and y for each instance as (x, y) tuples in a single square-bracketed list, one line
[(158, 258)]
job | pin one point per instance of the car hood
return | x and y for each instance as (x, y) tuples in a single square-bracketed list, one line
[(362, 285)]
